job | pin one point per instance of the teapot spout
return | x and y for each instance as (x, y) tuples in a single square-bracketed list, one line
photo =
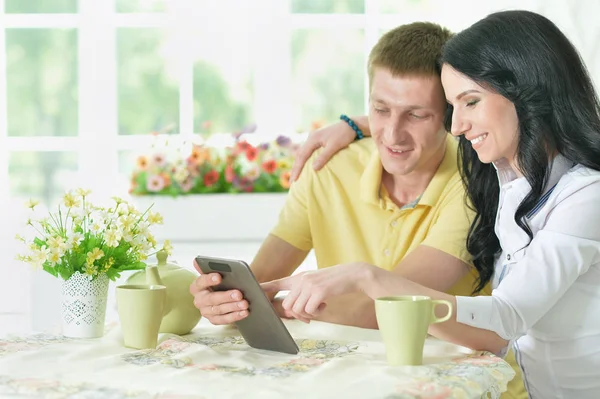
[(152, 276)]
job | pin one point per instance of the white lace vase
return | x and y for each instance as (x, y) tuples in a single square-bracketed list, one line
[(84, 306)]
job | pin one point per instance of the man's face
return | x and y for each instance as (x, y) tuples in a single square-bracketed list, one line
[(406, 115)]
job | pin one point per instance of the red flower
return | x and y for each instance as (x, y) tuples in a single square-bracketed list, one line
[(251, 153), (269, 166), (242, 146), (211, 178)]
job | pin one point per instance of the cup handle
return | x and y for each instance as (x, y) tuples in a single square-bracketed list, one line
[(436, 319)]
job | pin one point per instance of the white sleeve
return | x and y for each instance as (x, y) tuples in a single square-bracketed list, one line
[(563, 250)]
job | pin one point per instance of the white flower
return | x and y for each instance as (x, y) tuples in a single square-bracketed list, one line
[(143, 228), (146, 246), (77, 221), (126, 222), (75, 238), (39, 256), (97, 227), (252, 172), (57, 244), (54, 258), (128, 237), (181, 174), (122, 209), (138, 240), (112, 237)]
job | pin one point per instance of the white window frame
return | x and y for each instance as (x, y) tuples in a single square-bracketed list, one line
[(98, 143)]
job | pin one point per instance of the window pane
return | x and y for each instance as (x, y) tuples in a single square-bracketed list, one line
[(223, 91), (42, 82), (328, 6), (147, 78), (141, 5), (403, 6), (41, 175), (328, 75), (40, 6)]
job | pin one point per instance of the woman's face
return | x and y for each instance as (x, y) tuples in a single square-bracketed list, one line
[(487, 119)]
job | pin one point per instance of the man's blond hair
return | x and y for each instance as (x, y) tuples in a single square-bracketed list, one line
[(412, 49)]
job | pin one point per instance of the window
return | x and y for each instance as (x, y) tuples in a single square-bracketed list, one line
[(85, 82)]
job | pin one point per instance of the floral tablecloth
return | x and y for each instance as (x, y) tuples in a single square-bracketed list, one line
[(215, 362)]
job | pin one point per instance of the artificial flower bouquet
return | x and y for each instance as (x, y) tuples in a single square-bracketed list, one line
[(93, 240), (240, 167)]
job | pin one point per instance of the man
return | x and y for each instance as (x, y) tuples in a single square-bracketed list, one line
[(396, 200)]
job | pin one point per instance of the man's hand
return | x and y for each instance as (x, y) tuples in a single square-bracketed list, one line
[(332, 138), (223, 307)]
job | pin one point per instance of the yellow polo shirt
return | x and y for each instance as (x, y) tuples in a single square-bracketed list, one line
[(345, 215)]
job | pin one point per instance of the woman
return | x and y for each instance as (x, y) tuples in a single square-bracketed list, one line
[(528, 121)]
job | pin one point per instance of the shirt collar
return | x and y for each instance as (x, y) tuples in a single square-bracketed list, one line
[(370, 182), (506, 175)]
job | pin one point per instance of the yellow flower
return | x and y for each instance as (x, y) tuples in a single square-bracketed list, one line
[(151, 240), (90, 269), (70, 200), (32, 203), (126, 222), (118, 200), (57, 244), (23, 258), (83, 193), (168, 247), (284, 163), (155, 218), (108, 265), (132, 210), (93, 256), (19, 237)]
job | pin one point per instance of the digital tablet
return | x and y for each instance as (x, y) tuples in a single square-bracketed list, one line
[(262, 328)]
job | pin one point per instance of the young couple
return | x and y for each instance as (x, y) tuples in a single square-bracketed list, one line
[(389, 215)]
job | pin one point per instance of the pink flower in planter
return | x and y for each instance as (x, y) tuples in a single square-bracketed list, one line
[(155, 183)]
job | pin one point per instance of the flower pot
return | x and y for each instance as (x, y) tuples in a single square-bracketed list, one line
[(84, 306)]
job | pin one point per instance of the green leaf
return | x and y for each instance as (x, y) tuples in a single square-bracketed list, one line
[(50, 270), (113, 274), (65, 273)]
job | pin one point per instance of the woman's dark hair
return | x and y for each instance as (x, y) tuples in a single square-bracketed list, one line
[(524, 57)]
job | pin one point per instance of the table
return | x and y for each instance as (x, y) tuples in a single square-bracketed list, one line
[(215, 362)]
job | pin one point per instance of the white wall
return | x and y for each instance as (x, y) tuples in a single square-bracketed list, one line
[(23, 294)]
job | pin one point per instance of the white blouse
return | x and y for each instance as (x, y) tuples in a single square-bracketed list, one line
[(546, 297)]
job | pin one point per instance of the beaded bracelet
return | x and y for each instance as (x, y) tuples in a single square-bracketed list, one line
[(350, 122)]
